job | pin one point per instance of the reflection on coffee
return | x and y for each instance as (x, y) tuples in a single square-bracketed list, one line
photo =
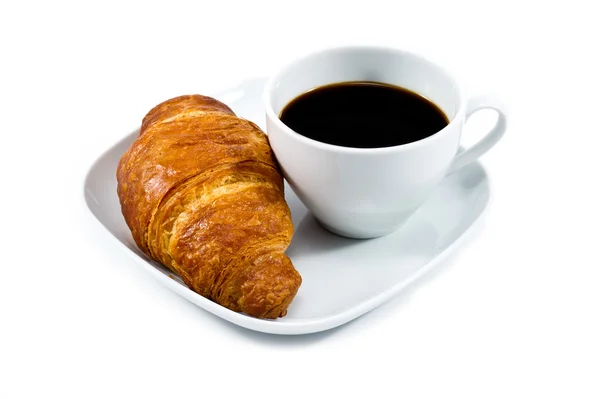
[(363, 115)]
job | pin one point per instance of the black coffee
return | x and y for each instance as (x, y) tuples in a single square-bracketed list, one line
[(363, 115)]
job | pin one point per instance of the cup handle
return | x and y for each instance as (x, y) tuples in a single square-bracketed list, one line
[(489, 140)]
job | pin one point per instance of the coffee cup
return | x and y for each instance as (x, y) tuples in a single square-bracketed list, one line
[(371, 192)]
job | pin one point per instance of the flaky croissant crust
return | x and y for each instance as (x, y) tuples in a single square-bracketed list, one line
[(202, 194)]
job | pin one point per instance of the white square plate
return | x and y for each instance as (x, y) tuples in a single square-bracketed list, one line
[(342, 278)]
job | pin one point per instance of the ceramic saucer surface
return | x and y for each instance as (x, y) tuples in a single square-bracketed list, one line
[(341, 278)]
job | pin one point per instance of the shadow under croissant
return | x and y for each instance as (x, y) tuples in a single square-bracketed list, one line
[(311, 237)]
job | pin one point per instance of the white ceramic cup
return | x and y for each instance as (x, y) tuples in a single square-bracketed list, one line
[(370, 192)]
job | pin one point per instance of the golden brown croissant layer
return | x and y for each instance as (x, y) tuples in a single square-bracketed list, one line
[(202, 194)]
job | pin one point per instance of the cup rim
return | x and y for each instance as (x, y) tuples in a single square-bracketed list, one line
[(268, 90)]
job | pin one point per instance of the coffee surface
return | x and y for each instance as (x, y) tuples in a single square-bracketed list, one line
[(363, 115)]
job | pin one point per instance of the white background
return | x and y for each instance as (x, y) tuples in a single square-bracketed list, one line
[(515, 314)]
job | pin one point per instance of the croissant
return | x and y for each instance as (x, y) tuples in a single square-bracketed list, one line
[(202, 194)]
